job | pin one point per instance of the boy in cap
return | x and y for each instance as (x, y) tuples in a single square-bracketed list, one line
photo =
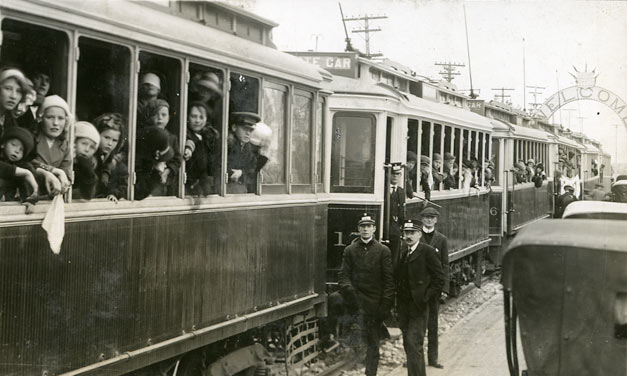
[(439, 242), (419, 278), (410, 175), (242, 157), (366, 280), (425, 176), (86, 141), (450, 178), (435, 171), (16, 143)]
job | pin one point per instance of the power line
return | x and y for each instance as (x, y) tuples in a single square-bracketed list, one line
[(537, 90), (366, 29), (449, 70), (503, 95)]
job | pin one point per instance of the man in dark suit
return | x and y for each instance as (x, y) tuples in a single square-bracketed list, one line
[(397, 211), (437, 240), (564, 200), (366, 280), (419, 278)]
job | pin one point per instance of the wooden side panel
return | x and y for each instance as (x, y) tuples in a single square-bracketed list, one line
[(530, 204), (463, 220), (119, 285)]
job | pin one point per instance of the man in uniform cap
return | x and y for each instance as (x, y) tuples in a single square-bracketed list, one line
[(437, 240), (419, 278), (242, 155), (564, 200), (366, 280), (397, 210)]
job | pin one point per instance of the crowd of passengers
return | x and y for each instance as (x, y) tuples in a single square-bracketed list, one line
[(431, 179), (530, 172), (36, 158)]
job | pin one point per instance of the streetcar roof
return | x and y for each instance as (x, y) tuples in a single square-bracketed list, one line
[(173, 33), (596, 209), (346, 85), (569, 142), (448, 114), (530, 133)]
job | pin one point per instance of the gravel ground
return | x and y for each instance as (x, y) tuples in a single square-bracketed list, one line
[(392, 354)]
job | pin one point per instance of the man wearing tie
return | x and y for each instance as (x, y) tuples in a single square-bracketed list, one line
[(397, 211), (419, 277)]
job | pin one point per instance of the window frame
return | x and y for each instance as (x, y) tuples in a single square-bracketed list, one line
[(282, 188), (294, 187), (352, 189)]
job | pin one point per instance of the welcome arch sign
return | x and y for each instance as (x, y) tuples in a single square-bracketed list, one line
[(585, 89)]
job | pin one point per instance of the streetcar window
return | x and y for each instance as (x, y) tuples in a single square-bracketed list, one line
[(319, 154), (300, 142), (203, 141), (352, 153), (40, 52), (466, 145), (426, 150), (103, 88), (458, 145), (436, 161), (412, 152), (158, 152), (243, 160), (244, 94), (495, 160), (274, 114), (481, 157), (448, 159)]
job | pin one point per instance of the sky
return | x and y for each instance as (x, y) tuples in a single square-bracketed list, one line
[(558, 36)]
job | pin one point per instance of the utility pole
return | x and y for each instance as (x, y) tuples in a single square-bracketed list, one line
[(449, 70), (366, 30), (537, 90), (317, 36), (569, 110), (581, 119), (503, 95)]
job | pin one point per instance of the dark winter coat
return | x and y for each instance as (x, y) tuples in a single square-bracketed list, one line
[(440, 243), (366, 277), (424, 276)]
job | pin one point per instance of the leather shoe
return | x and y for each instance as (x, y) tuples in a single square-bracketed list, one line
[(436, 365)]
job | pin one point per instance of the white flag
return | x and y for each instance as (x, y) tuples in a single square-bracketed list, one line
[(54, 224)]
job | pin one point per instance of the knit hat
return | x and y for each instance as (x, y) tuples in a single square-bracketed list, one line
[(154, 105), (54, 101), (424, 160), (411, 156), (437, 157), (84, 129), (21, 134), (151, 78), (17, 74)]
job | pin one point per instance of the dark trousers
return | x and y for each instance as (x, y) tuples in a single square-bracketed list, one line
[(432, 330), (413, 322), (395, 247), (371, 330)]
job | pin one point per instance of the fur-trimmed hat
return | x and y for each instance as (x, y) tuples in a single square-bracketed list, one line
[(21, 134), (84, 129)]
